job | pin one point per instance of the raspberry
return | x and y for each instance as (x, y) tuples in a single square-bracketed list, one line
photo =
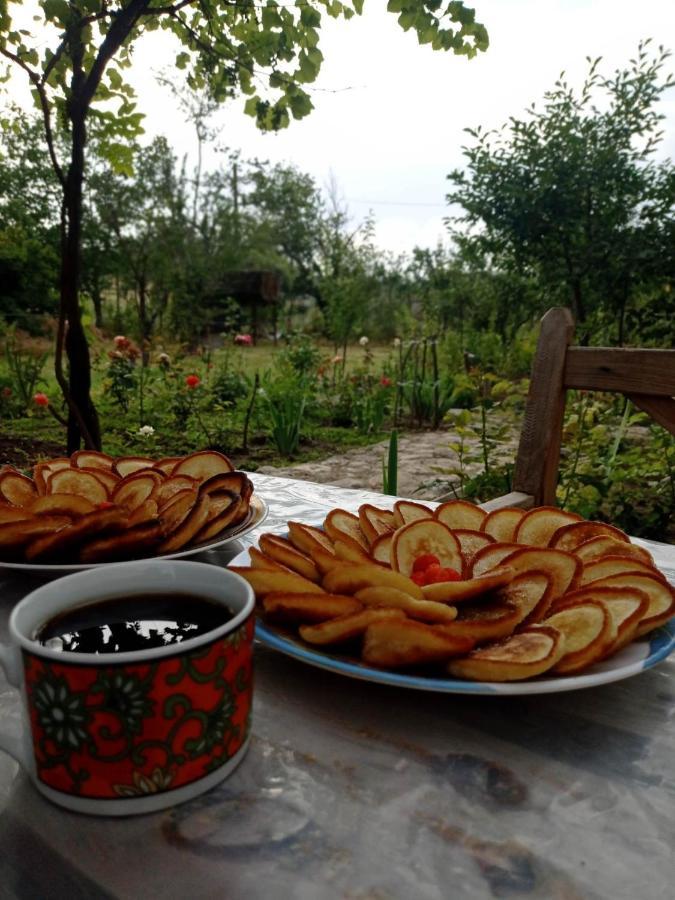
[(419, 578), (448, 575), (424, 561)]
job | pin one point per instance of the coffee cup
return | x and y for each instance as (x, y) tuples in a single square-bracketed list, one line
[(132, 731)]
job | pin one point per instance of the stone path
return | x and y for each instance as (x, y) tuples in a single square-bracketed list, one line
[(425, 461)]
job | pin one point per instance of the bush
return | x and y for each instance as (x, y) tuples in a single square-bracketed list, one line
[(302, 355), (227, 387)]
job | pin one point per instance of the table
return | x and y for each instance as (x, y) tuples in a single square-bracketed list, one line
[(360, 791)]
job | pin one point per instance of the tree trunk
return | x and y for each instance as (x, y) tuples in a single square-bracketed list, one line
[(97, 300), (143, 320), (578, 301), (83, 424)]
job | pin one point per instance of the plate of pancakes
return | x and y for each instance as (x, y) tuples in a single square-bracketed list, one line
[(91, 509), (457, 600)]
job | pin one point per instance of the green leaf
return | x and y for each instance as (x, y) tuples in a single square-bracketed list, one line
[(310, 17)]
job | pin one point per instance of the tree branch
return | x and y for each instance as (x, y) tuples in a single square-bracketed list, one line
[(119, 30), (44, 106), (168, 10)]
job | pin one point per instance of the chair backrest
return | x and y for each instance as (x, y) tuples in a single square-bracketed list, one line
[(646, 377)]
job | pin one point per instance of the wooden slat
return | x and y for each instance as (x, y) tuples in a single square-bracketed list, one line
[(536, 470), (621, 369), (515, 498), (661, 409)]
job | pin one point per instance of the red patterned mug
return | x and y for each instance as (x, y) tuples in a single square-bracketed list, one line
[(120, 733)]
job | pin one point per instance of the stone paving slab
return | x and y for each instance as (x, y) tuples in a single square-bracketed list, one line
[(425, 459)]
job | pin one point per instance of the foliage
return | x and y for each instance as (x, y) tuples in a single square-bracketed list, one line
[(422, 387), (618, 469), (25, 365), (75, 61), (29, 208), (285, 400), (480, 435), (302, 356), (228, 387), (571, 196)]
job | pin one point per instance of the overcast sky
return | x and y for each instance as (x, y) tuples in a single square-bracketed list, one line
[(389, 114)]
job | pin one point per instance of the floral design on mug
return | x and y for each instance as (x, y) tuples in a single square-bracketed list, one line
[(119, 730), (125, 694), (159, 780), (217, 724), (61, 712)]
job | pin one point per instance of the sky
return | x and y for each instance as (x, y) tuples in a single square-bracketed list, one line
[(389, 117)]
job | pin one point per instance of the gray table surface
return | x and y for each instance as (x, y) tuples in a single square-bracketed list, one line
[(360, 791)]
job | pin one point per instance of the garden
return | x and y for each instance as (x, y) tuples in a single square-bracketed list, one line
[(300, 401), (120, 330)]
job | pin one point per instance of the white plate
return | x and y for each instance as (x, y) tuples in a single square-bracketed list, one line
[(257, 514), (633, 659)]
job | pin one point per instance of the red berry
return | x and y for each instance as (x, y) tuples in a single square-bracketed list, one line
[(419, 578), (424, 561), (105, 504), (448, 575)]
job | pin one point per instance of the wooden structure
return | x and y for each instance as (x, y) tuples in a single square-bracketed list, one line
[(252, 288), (646, 377)]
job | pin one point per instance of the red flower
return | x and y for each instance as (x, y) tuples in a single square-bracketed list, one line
[(193, 381), (386, 382), (7, 392), (121, 342), (41, 399), (244, 339)]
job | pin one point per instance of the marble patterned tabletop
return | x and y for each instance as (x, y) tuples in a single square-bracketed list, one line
[(359, 791)]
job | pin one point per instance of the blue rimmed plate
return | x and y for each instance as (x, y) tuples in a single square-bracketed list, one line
[(633, 659)]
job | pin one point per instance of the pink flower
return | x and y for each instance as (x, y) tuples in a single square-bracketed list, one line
[(193, 381), (386, 382), (243, 339), (40, 399)]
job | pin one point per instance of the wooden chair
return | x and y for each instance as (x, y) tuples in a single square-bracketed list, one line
[(646, 377)]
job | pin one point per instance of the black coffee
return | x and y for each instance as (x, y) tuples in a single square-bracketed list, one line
[(133, 622)]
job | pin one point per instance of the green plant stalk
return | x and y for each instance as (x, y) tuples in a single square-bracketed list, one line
[(200, 421), (611, 458), (390, 471), (436, 418), (141, 396), (483, 437), (249, 410), (399, 380), (583, 402)]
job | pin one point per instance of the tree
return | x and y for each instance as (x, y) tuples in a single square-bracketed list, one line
[(29, 220), (571, 195), (288, 211), (75, 59), (147, 217)]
